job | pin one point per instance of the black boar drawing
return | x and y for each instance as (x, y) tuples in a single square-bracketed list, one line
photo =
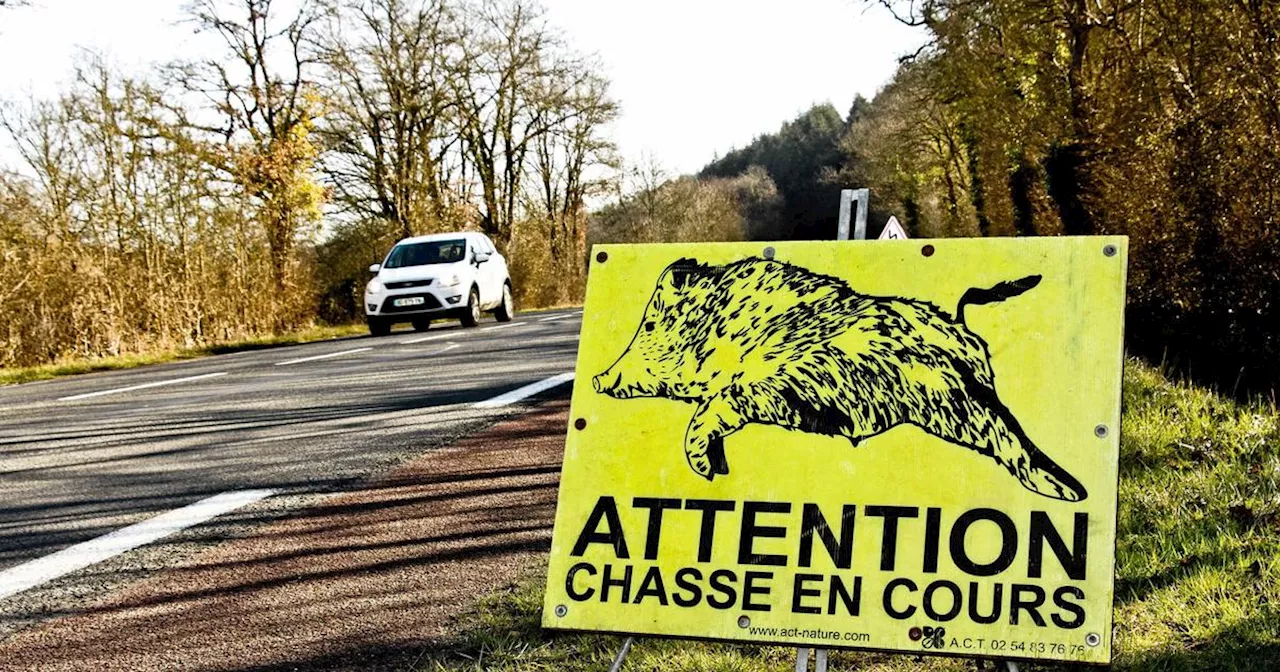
[(758, 341)]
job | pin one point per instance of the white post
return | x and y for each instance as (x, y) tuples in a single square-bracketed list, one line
[(847, 197), (846, 203), (860, 223)]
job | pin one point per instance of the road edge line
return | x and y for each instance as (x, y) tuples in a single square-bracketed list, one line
[(324, 356), (33, 573), (508, 398), (143, 386)]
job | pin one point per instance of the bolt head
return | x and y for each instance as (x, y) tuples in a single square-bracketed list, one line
[(561, 610)]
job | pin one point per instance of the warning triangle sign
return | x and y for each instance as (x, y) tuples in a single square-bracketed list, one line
[(893, 230)]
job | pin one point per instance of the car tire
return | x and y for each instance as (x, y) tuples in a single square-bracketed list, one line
[(507, 307), (379, 327), (421, 324), (471, 314)]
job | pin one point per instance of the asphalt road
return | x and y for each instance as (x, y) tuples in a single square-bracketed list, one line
[(84, 456)]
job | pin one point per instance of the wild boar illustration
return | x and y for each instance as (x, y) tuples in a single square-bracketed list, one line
[(759, 341)]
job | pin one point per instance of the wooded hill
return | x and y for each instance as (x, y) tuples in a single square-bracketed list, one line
[(1157, 119)]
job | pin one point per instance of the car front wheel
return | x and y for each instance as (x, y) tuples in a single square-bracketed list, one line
[(379, 327), (507, 309), (471, 316)]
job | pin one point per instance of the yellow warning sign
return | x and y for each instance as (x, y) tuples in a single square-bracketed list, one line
[(903, 445)]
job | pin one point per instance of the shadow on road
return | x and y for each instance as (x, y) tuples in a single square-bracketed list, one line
[(145, 464), (365, 580)]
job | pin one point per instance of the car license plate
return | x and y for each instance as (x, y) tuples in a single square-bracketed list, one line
[(411, 301)]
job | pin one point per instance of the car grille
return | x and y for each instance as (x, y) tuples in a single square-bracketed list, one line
[(430, 303), (407, 283)]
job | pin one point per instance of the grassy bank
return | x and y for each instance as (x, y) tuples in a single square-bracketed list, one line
[(71, 367), (1198, 561), (12, 376)]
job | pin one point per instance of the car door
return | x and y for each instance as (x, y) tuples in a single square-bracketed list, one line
[(500, 270), (488, 273)]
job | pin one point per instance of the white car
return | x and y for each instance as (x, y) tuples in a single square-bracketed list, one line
[(441, 275)]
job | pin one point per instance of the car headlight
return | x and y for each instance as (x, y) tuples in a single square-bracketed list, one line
[(453, 281), (375, 287)]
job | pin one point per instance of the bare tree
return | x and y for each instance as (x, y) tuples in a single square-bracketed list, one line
[(390, 65), (261, 92)]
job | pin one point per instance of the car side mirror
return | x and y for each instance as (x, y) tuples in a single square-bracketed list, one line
[(374, 268), (481, 257)]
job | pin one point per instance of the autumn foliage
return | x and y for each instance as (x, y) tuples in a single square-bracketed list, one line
[(245, 195)]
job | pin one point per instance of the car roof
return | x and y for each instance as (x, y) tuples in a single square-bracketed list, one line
[(438, 236)]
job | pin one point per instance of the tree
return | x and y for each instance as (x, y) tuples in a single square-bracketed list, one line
[(183, 207), (1159, 119), (391, 126), (564, 157), (517, 83), (798, 158), (268, 110)]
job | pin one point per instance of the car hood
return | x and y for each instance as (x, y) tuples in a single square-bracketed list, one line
[(430, 271)]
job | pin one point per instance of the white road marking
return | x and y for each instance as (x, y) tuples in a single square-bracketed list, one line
[(527, 391), (446, 348), (424, 339), (553, 318), (159, 383), (41, 570), (312, 359), (504, 326)]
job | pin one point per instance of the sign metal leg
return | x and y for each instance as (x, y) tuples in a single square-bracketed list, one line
[(819, 659), (622, 655), (863, 197), (859, 232)]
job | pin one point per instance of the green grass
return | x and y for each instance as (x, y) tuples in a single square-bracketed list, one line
[(13, 376), (1198, 561)]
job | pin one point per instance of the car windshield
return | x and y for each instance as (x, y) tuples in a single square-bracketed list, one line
[(422, 254)]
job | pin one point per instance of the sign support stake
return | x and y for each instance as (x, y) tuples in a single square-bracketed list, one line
[(892, 231), (847, 197), (622, 655)]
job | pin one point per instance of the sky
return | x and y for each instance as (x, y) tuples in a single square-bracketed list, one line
[(695, 78)]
